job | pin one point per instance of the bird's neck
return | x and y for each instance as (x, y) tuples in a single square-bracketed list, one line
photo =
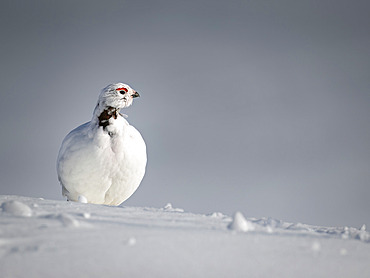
[(106, 115)]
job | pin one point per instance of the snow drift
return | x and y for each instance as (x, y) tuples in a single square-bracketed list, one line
[(46, 238)]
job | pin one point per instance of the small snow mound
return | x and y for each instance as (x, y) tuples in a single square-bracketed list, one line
[(269, 222), (131, 241), (273, 223), (300, 227), (353, 233), (217, 215), (86, 215), (269, 229), (343, 252), (345, 233), (241, 224), (16, 208), (68, 220), (82, 199), (363, 228), (316, 247), (169, 207), (363, 236)]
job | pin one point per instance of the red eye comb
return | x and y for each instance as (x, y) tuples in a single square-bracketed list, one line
[(122, 89)]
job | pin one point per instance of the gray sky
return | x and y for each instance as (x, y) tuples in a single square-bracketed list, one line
[(257, 106)]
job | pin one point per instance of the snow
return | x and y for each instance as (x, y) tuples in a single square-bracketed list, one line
[(47, 238), (82, 199), (16, 208), (241, 224)]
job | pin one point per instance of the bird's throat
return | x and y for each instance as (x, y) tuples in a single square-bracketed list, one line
[(106, 115)]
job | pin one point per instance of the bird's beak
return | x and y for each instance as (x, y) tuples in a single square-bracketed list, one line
[(136, 94)]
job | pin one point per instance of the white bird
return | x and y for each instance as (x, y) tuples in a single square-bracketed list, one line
[(103, 161)]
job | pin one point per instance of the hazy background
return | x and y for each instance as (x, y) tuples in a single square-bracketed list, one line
[(258, 106)]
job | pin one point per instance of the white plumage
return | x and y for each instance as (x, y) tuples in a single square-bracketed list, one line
[(103, 161)]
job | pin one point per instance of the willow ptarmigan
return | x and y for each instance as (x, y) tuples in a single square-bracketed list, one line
[(103, 161)]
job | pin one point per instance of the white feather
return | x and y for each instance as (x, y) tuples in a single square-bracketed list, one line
[(105, 164)]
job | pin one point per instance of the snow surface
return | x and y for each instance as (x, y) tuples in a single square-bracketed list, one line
[(46, 238), (241, 224)]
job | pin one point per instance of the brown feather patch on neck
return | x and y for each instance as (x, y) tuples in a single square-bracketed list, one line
[(106, 115)]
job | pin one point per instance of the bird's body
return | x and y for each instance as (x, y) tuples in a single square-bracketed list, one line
[(103, 161)]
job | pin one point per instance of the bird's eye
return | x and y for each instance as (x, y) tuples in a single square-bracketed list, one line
[(122, 90)]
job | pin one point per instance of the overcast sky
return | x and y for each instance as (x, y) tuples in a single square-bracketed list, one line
[(257, 106)]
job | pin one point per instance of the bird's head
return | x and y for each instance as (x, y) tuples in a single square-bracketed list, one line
[(117, 96)]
